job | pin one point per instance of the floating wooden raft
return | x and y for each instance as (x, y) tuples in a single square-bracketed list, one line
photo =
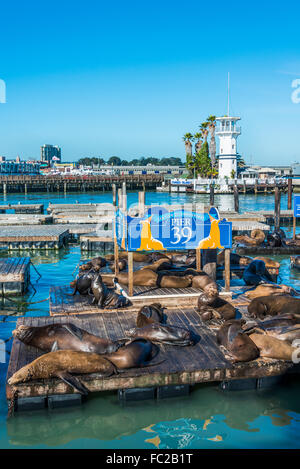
[(33, 237), (23, 208), (96, 241), (202, 362), (267, 250), (14, 275), (63, 302)]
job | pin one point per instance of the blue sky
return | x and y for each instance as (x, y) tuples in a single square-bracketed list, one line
[(130, 78)]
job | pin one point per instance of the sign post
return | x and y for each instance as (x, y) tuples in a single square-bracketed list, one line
[(296, 213)]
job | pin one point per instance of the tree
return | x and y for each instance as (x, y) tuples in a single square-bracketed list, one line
[(114, 160), (198, 136), (204, 130), (188, 138), (211, 120), (203, 162)]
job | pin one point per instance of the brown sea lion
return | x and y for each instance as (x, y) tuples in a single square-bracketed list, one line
[(64, 336), (272, 305), (142, 277), (232, 337), (160, 264), (155, 256), (137, 256), (96, 263), (149, 314), (138, 353), (207, 284), (256, 238), (287, 333), (215, 307), (269, 263), (269, 289), (235, 259), (105, 297), (61, 364), (163, 334), (173, 281), (83, 283), (271, 347)]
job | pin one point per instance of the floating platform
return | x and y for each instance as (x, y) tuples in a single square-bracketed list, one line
[(204, 362), (14, 275), (267, 250), (11, 219), (96, 242), (33, 237), (62, 301), (23, 208)]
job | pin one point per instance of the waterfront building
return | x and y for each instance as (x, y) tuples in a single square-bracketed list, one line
[(228, 131), (18, 166), (50, 153)]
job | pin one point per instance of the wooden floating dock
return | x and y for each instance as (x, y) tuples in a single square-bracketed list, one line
[(14, 275), (33, 237), (24, 219), (23, 208), (62, 301), (95, 241), (203, 362), (267, 250)]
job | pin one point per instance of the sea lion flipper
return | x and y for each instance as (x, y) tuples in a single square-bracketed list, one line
[(54, 347), (73, 381), (232, 333), (73, 330)]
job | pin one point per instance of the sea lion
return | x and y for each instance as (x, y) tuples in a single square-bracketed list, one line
[(276, 239), (138, 353), (160, 264), (61, 364), (273, 305), (256, 238), (235, 259), (64, 336), (215, 307), (105, 297), (142, 277), (205, 282), (156, 256), (150, 314), (83, 283), (232, 337), (269, 263), (295, 262), (287, 333), (163, 334), (174, 281), (267, 290), (137, 256), (271, 347), (256, 273), (96, 263)]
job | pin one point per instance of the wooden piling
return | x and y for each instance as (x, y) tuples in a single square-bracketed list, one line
[(130, 273), (198, 260), (227, 269), (114, 195), (236, 198), (141, 203), (277, 209), (290, 192), (211, 195)]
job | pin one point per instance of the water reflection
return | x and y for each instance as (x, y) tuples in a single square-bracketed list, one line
[(173, 423)]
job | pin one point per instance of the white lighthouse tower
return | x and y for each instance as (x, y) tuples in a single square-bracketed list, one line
[(228, 132)]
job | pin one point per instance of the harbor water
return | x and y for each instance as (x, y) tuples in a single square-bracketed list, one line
[(208, 418)]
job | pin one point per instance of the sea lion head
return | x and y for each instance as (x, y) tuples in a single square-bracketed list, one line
[(212, 290), (244, 348), (204, 299), (23, 333), (24, 374)]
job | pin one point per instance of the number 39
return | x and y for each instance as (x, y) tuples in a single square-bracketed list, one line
[(185, 232)]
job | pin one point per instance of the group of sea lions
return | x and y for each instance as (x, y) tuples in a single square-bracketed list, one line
[(72, 350), (275, 239)]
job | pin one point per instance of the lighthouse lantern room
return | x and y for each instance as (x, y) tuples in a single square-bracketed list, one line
[(227, 131)]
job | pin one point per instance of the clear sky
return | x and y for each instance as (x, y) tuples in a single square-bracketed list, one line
[(130, 78)]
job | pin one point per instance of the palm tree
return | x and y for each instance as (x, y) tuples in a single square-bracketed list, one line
[(204, 130), (198, 136), (211, 121), (188, 138)]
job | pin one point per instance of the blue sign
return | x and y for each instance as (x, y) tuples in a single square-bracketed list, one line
[(162, 230), (297, 206)]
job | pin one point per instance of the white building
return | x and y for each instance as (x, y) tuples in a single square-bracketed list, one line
[(227, 131)]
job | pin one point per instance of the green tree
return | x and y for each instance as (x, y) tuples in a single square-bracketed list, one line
[(114, 160), (203, 162)]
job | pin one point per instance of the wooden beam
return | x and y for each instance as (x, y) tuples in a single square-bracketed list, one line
[(198, 260), (227, 269), (130, 273), (294, 227)]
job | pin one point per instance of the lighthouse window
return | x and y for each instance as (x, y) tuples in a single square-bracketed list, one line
[(233, 146)]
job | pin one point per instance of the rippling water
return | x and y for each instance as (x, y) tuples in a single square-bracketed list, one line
[(208, 418)]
